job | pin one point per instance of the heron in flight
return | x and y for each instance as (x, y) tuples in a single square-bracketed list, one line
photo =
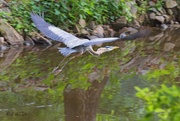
[(73, 43)]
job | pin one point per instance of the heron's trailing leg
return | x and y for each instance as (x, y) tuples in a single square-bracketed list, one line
[(56, 70)]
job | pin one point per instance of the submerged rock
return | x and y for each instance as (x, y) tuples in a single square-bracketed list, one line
[(28, 41)]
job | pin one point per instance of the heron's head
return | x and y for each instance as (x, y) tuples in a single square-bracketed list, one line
[(106, 49)]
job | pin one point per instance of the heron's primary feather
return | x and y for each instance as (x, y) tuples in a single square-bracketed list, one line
[(55, 33), (100, 41)]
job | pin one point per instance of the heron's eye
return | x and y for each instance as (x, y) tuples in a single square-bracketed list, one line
[(107, 46)]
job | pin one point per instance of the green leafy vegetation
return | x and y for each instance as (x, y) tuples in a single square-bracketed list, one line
[(162, 103), (66, 13), (162, 100), (143, 7)]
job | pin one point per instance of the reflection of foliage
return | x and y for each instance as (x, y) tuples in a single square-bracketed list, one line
[(23, 68), (118, 100), (169, 72), (162, 103), (35, 104), (78, 76)]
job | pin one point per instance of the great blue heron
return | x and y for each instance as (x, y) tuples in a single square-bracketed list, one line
[(73, 43)]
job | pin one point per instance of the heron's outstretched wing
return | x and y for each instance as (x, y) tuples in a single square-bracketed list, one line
[(100, 41), (141, 33), (55, 33)]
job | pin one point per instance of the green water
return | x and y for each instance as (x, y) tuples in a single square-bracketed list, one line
[(88, 88)]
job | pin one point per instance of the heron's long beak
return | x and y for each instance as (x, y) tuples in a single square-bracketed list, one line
[(115, 47)]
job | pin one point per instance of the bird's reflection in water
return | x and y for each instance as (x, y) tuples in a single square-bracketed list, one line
[(67, 59)]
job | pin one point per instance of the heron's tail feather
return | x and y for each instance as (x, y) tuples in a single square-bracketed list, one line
[(66, 51)]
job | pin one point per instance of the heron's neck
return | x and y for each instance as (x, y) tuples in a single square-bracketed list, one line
[(91, 51)]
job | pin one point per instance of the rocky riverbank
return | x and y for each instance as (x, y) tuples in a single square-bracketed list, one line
[(163, 17)]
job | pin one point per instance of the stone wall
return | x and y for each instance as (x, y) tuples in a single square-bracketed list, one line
[(167, 14)]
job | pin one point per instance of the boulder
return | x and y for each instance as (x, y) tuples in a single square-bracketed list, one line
[(156, 11), (98, 31), (152, 16), (142, 19), (126, 30), (131, 30), (91, 37), (119, 23), (167, 18), (1, 3), (82, 23), (109, 33), (169, 11), (38, 38), (84, 32), (160, 19), (10, 34), (2, 40), (28, 41), (151, 3), (92, 25), (134, 23), (76, 29), (162, 11), (170, 3)]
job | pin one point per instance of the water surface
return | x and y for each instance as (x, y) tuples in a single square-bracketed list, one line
[(88, 88)]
